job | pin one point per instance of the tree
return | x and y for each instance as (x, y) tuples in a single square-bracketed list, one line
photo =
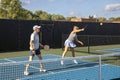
[(57, 17), (3, 8), (101, 19), (69, 18), (42, 15), (10, 9), (114, 19), (117, 19), (45, 16), (3, 13), (111, 19), (26, 14)]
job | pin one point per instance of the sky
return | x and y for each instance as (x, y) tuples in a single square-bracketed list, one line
[(78, 8)]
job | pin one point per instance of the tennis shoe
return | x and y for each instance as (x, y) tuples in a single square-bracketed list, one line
[(42, 70), (26, 73), (62, 63), (75, 61)]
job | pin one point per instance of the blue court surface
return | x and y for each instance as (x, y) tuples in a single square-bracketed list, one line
[(84, 70)]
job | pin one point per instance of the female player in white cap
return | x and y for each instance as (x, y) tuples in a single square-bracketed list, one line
[(69, 43), (35, 48)]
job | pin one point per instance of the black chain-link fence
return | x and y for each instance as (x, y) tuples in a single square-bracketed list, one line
[(15, 34)]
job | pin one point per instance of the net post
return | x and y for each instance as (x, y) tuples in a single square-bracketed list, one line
[(88, 44), (62, 42), (100, 68)]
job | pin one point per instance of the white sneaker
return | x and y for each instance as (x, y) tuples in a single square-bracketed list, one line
[(75, 61), (42, 70), (62, 63), (26, 73)]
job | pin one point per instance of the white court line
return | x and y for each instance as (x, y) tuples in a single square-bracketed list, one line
[(28, 56), (10, 60), (104, 50), (113, 65), (16, 62), (15, 58)]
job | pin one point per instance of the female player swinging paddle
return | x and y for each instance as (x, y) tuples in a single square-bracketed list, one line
[(69, 43)]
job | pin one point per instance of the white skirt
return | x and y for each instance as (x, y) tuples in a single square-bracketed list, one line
[(69, 44)]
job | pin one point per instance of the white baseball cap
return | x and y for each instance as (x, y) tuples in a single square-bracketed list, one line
[(36, 27)]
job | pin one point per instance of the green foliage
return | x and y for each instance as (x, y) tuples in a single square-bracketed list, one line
[(3, 14), (25, 14), (57, 17), (42, 15), (114, 19), (69, 18), (12, 9), (101, 19)]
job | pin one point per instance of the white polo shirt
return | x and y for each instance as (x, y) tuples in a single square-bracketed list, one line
[(35, 38)]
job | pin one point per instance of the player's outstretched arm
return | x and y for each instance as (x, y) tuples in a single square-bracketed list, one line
[(79, 30), (80, 42)]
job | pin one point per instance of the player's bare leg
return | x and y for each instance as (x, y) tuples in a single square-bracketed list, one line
[(27, 66), (41, 65), (73, 55), (64, 53)]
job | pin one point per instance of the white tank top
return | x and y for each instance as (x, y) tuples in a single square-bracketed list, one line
[(72, 37)]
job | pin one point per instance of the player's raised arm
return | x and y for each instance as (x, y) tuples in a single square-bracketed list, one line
[(76, 29)]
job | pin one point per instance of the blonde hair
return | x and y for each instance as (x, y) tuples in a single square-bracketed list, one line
[(75, 28)]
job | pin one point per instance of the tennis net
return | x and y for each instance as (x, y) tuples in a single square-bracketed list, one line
[(87, 68)]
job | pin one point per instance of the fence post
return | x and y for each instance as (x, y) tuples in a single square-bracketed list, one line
[(88, 44), (62, 42)]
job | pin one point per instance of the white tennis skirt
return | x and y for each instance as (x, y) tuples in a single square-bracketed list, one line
[(69, 44)]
